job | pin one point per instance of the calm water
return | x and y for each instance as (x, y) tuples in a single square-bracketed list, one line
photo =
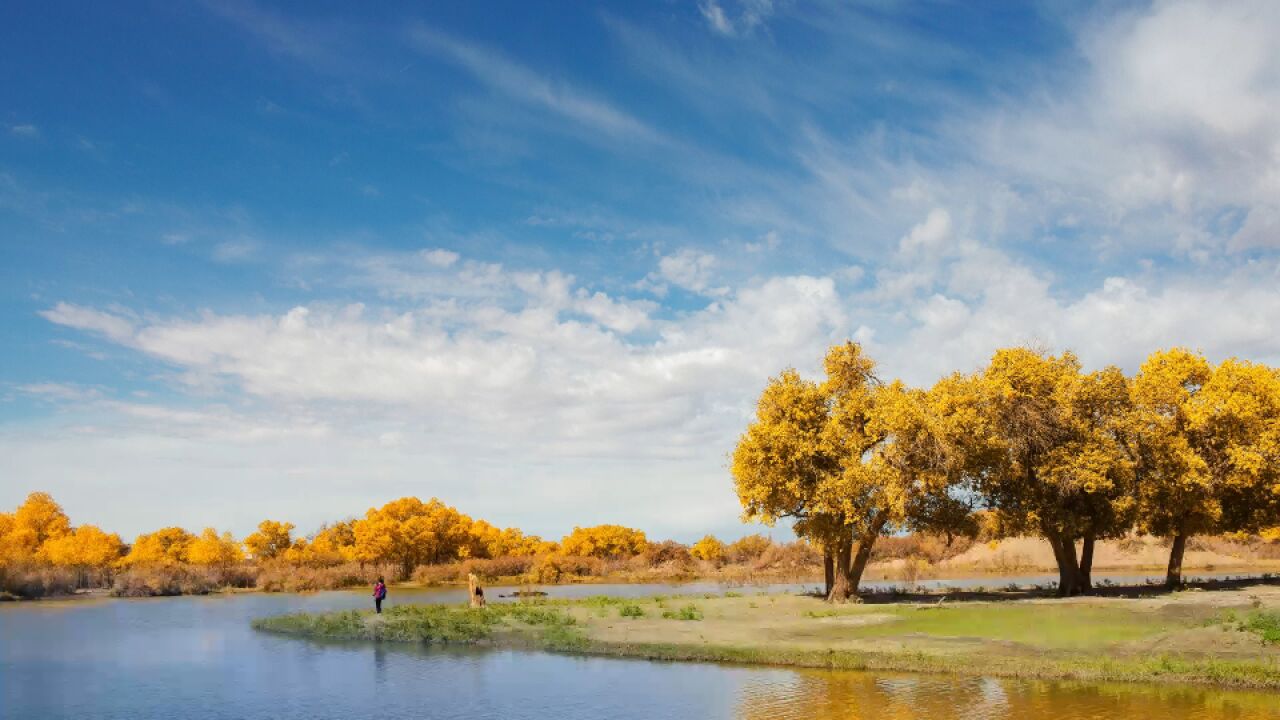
[(198, 658)]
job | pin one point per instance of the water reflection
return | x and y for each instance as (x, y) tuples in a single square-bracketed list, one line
[(821, 695), (199, 658)]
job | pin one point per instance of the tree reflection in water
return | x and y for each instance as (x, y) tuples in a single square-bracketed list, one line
[(820, 695)]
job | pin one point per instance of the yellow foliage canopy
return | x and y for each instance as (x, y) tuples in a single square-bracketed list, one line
[(163, 547), (210, 549), (604, 541), (709, 548), (271, 540), (85, 547)]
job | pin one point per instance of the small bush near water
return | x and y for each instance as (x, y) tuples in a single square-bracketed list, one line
[(34, 581), (157, 580), (281, 577), (688, 612), (1266, 625), (631, 611)]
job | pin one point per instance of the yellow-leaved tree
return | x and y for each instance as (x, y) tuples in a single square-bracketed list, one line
[(1209, 443), (86, 549), (212, 549), (709, 548), (848, 459), (409, 532), (604, 541), (748, 548), (488, 541), (1048, 450), (271, 540), (38, 519), (331, 545), (167, 546)]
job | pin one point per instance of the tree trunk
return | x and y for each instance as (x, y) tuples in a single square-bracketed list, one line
[(828, 569), (1173, 578), (1086, 564), (840, 588), (860, 561), (1064, 552)]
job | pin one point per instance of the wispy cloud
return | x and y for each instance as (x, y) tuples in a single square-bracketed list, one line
[(25, 130), (751, 15), (524, 85)]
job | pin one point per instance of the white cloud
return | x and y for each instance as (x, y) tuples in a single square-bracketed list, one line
[(751, 15), (25, 130), (687, 268), (230, 251), (522, 84), (930, 236), (440, 258), (113, 327)]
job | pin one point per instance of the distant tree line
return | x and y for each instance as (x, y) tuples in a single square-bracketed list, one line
[(1032, 444), (400, 536)]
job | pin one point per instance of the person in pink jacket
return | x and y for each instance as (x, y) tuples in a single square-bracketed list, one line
[(379, 594)]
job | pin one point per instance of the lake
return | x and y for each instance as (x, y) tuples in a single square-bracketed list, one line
[(197, 657)]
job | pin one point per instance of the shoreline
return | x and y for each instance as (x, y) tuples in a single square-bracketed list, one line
[(1198, 637), (874, 584)]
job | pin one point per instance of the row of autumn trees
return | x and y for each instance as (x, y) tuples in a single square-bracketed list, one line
[(1029, 445), (402, 534)]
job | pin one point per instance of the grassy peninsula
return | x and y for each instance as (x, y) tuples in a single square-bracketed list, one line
[(1226, 637)]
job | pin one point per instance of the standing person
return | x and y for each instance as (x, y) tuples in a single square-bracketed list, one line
[(379, 594)]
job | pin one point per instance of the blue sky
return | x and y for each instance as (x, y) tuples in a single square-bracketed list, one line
[(294, 260)]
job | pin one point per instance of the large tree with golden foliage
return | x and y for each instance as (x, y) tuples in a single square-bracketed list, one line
[(37, 520), (166, 546), (1048, 450), (847, 459), (272, 539), (1209, 443), (214, 550), (86, 549), (409, 532)]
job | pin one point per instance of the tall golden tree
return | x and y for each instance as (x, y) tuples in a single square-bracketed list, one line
[(166, 546), (1209, 442), (86, 549), (271, 540), (214, 550), (783, 459), (409, 532), (604, 541), (38, 519), (1049, 454), (848, 459)]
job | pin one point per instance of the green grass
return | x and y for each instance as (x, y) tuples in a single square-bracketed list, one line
[(631, 611), (1266, 625), (1042, 625), (1160, 668), (422, 623), (688, 612), (1066, 640)]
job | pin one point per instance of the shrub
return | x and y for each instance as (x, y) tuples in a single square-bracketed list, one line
[(1266, 625), (35, 581), (604, 541), (710, 549), (688, 612), (284, 577), (928, 547), (164, 579), (794, 556), (556, 568), (667, 552), (747, 548), (631, 611)]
